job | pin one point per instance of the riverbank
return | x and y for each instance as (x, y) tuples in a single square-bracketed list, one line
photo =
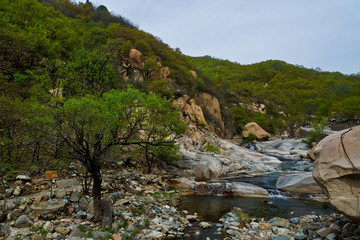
[(147, 207)]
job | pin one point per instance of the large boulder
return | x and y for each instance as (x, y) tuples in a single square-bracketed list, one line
[(136, 59), (298, 183), (336, 155), (253, 128)]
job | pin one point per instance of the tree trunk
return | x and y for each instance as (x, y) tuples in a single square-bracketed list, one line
[(97, 196)]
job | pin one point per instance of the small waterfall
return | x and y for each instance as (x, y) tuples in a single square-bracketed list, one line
[(274, 193)]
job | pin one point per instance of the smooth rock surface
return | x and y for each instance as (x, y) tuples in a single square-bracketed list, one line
[(48, 207), (66, 183), (335, 174), (22, 221), (299, 183)]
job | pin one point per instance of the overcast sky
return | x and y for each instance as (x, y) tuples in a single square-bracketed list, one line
[(312, 33)]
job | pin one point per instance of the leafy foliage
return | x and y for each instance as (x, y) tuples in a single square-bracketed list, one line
[(293, 95)]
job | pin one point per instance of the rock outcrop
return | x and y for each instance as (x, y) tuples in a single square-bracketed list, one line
[(211, 106), (231, 160), (334, 172), (136, 59), (254, 129), (193, 117)]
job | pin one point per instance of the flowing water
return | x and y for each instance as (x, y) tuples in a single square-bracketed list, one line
[(211, 208)]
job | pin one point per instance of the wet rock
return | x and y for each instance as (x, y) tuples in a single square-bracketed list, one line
[(205, 225), (22, 221), (247, 190), (191, 218), (298, 183)]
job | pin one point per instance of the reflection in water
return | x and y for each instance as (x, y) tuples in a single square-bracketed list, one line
[(211, 208)]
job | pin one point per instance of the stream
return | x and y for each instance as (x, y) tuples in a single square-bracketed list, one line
[(211, 208)]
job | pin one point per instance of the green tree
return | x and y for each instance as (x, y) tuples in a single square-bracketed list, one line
[(87, 72), (91, 127), (162, 87)]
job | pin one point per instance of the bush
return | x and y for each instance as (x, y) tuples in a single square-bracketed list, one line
[(318, 133), (211, 148)]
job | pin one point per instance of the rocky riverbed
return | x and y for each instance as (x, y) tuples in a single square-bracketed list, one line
[(144, 206)]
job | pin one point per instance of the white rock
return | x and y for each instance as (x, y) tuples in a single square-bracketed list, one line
[(205, 225), (48, 226)]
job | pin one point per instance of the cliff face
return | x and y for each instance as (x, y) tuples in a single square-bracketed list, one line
[(211, 107), (203, 111)]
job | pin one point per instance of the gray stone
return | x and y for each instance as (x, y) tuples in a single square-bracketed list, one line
[(279, 222), (331, 236), (4, 229), (153, 234), (300, 236), (48, 226), (23, 178), (205, 225), (17, 191), (75, 196), (22, 221), (83, 202), (66, 183), (281, 237), (323, 232), (59, 194), (299, 183), (9, 192), (48, 207), (246, 190), (100, 235), (76, 233), (295, 220)]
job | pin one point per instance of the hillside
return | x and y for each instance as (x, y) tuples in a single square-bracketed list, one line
[(59, 51), (291, 95)]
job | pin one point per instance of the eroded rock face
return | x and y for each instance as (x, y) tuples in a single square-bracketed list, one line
[(193, 116), (254, 129), (136, 59), (211, 105), (336, 175)]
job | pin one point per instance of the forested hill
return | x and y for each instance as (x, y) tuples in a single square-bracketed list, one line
[(293, 95), (82, 49)]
